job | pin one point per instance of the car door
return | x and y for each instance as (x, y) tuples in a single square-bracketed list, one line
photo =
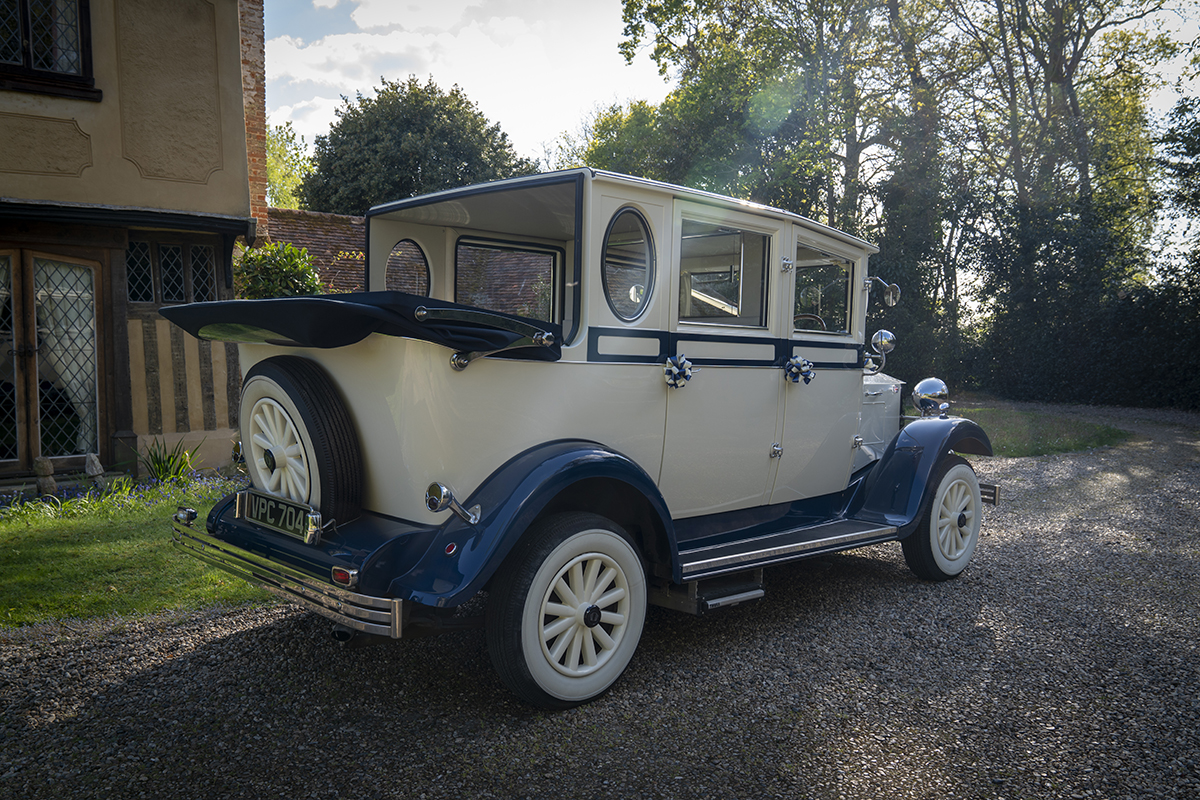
[(820, 417), (722, 424)]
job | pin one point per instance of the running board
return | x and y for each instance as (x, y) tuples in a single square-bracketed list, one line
[(778, 547), (697, 597)]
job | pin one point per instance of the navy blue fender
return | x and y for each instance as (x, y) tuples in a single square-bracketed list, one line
[(510, 499), (896, 490)]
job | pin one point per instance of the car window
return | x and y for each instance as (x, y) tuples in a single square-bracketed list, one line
[(722, 275), (628, 271), (822, 297), (407, 269), (509, 278)]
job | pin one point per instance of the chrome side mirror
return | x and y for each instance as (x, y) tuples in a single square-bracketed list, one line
[(891, 292), (438, 497), (883, 342)]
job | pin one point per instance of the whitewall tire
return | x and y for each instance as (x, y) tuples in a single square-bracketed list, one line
[(567, 610), (298, 439), (942, 545)]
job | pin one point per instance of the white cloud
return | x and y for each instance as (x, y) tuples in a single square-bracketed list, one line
[(410, 15), (536, 67)]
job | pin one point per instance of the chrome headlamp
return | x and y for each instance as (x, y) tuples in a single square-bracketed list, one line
[(931, 397)]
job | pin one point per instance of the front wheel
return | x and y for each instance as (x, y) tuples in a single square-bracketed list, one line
[(941, 547), (567, 610)]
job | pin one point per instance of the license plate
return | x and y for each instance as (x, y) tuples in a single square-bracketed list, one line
[(283, 516)]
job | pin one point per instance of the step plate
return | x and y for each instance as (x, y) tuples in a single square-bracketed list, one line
[(780, 547)]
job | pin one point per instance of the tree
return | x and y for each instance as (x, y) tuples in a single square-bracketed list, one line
[(287, 165), (409, 139)]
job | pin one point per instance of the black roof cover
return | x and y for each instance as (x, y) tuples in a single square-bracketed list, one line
[(343, 319)]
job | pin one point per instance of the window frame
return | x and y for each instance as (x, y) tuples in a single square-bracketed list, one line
[(557, 253), (764, 290), (26, 78), (651, 264), (387, 266)]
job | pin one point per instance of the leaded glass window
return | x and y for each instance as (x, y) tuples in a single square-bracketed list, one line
[(45, 46), (182, 272), (54, 36), (202, 274), (170, 272), (9, 432), (10, 33), (66, 329), (139, 272)]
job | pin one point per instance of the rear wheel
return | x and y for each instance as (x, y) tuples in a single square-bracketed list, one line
[(942, 545), (298, 439), (567, 610)]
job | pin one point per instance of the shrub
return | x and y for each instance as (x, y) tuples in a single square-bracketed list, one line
[(277, 269), (162, 464)]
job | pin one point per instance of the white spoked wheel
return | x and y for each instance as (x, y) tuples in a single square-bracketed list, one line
[(943, 544), (298, 438), (277, 453), (564, 622), (584, 614)]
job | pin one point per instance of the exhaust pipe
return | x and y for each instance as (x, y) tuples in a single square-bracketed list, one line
[(353, 639)]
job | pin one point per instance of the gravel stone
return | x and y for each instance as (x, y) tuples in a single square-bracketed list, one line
[(1062, 664)]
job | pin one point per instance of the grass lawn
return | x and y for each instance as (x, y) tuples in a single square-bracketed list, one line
[(97, 557), (94, 557), (1024, 433)]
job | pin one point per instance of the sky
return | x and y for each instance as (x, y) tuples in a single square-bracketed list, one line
[(539, 68)]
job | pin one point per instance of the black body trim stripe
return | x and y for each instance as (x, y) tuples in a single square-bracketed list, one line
[(670, 344)]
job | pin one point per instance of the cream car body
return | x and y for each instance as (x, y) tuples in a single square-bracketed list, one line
[(681, 375)]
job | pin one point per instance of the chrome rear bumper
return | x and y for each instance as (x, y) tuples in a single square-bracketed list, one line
[(382, 616)]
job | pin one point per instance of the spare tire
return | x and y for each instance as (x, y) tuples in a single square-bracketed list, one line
[(298, 439)]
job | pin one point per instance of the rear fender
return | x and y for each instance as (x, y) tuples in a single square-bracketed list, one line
[(463, 557), (896, 491)]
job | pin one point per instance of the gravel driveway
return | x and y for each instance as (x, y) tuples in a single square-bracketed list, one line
[(1062, 664)]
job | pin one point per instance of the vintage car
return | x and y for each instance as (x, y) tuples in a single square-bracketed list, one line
[(575, 394)]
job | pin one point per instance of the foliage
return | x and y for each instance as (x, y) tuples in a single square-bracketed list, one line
[(162, 464), (94, 555), (409, 139), (288, 164), (1000, 155), (275, 269)]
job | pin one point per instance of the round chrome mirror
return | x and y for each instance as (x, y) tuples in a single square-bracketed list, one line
[(891, 295), (931, 397), (438, 497), (883, 342)]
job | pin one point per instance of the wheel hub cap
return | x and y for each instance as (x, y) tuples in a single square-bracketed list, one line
[(591, 617)]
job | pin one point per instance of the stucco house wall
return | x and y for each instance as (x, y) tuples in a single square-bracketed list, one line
[(126, 177)]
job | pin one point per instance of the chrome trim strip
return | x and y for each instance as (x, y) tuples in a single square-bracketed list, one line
[(785, 550), (382, 616)]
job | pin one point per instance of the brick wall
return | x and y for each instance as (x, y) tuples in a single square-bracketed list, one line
[(335, 242), (254, 100)]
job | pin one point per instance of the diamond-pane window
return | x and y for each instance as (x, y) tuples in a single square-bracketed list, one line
[(10, 34), (139, 272), (46, 48), (170, 272), (202, 274), (9, 432), (66, 327), (54, 36)]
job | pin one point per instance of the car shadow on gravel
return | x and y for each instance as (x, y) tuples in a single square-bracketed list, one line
[(1060, 664)]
